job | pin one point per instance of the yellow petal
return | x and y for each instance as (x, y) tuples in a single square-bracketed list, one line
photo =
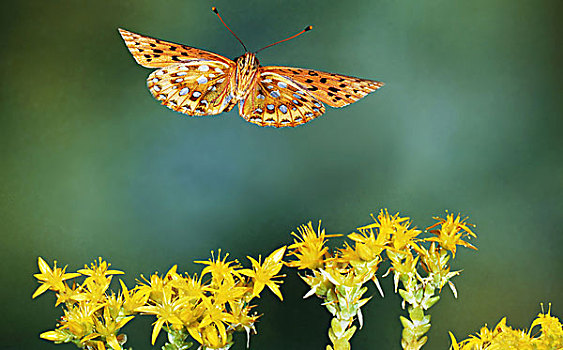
[(52, 336), (195, 334), (258, 287), (43, 266), (112, 341), (455, 346), (276, 290), (157, 327), (277, 255), (40, 290)]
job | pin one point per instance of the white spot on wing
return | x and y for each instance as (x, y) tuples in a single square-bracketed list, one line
[(184, 91), (283, 109), (275, 94), (282, 84), (227, 99), (203, 68), (270, 107), (196, 94), (202, 80)]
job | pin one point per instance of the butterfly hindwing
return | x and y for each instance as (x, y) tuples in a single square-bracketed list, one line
[(155, 53), (200, 87), (277, 101), (335, 90)]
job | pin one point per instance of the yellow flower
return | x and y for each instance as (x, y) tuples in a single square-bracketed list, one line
[(241, 312), (189, 287), (79, 319), (385, 223), (98, 271), (108, 329), (190, 314), (368, 246), (504, 337), (96, 289), (71, 295), (404, 237), (310, 250), (226, 291), (213, 339), (264, 274), (167, 312), (155, 287), (51, 279), (451, 233), (551, 331), (215, 315), (133, 299), (220, 269)]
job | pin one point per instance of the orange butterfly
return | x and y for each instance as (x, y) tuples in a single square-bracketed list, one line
[(198, 82)]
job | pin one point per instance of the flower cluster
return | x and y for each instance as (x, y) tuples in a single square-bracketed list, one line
[(207, 309), (210, 312), (92, 315), (339, 276), (549, 336)]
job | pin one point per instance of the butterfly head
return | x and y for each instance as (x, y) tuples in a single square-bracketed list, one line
[(247, 67)]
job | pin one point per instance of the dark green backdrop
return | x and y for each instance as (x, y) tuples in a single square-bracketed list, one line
[(470, 120)]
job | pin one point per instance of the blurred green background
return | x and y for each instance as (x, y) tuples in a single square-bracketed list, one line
[(470, 120)]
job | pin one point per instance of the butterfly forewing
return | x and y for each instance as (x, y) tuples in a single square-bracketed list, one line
[(199, 87), (277, 101), (156, 53), (333, 89)]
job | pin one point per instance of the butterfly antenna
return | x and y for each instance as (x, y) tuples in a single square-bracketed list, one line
[(291, 37), (214, 9)]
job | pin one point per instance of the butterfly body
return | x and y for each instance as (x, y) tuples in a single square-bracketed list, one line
[(197, 83), (247, 70)]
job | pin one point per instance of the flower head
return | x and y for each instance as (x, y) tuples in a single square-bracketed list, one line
[(51, 278), (451, 232), (309, 247), (167, 312), (220, 269), (264, 274)]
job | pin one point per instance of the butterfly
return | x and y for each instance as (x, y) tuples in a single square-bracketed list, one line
[(198, 83)]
